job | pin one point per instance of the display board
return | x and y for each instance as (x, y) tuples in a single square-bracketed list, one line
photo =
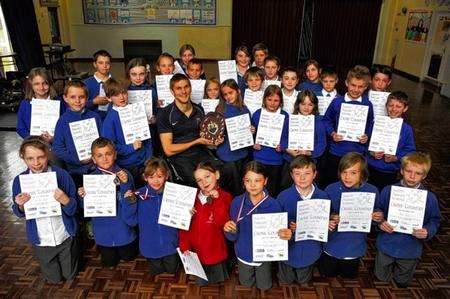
[(192, 12)]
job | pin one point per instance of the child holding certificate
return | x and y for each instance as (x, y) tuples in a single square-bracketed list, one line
[(242, 57), (342, 252), (357, 81), (138, 75), (39, 85), (114, 235), (205, 236), (157, 242), (71, 144), (399, 253), (312, 77), (383, 167), (130, 156), (53, 238), (254, 78), (302, 254), (306, 104), (271, 156), (97, 100), (231, 105), (255, 200), (289, 80)]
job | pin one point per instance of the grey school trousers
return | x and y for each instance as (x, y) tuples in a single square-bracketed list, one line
[(58, 262), (387, 267)]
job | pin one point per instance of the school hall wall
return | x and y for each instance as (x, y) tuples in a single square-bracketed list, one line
[(210, 42), (392, 47)]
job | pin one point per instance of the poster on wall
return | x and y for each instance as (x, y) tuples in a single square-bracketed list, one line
[(418, 27), (192, 12)]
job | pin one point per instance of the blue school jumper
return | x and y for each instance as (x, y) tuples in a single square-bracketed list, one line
[(66, 184), (127, 156), (331, 122), (223, 150), (346, 244), (302, 253), (242, 84), (314, 87), (268, 155), (93, 87), (405, 246), (155, 240), (320, 140), (116, 230), (24, 116), (63, 145), (243, 238), (405, 145)]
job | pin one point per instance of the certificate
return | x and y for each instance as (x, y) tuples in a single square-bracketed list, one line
[(227, 70), (197, 90), (134, 122), (163, 89), (267, 246), (83, 132), (270, 127), (378, 100), (352, 121), (355, 214), (100, 197), (406, 209), (41, 187), (192, 264), (385, 134), (289, 102), (145, 96), (301, 132), (253, 100), (267, 83), (44, 116), (313, 217), (176, 204), (178, 69), (238, 131), (209, 105), (324, 103)]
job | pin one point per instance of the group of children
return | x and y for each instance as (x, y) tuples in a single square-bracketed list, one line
[(261, 179)]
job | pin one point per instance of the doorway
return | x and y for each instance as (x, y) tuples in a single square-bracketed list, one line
[(437, 57)]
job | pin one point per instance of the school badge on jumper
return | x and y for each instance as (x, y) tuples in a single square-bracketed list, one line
[(213, 126)]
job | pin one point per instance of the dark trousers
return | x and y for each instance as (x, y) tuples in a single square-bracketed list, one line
[(381, 179), (331, 169), (58, 262), (286, 179), (165, 264), (184, 165), (330, 266), (274, 179), (111, 256), (233, 171)]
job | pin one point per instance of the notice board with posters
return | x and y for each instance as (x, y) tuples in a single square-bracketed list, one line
[(177, 12)]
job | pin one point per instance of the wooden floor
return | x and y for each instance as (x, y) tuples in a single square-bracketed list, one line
[(20, 275)]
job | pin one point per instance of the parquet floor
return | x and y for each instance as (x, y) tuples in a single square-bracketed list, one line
[(20, 275)]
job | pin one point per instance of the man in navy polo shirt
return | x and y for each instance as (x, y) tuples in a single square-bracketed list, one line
[(179, 131)]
